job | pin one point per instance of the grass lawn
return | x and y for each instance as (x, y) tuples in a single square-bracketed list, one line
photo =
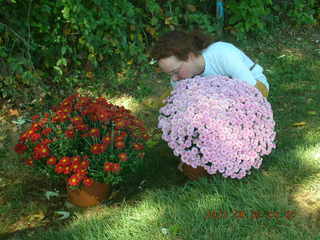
[(281, 200)]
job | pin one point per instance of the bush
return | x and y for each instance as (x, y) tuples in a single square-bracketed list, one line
[(48, 47)]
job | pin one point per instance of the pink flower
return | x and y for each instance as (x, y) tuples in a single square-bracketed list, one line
[(220, 124)]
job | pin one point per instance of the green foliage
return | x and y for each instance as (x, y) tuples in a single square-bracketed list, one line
[(247, 15), (260, 15), (49, 47), (298, 11)]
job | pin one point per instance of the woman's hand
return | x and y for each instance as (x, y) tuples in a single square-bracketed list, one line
[(262, 88)]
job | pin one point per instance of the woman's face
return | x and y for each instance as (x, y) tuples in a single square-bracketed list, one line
[(178, 69)]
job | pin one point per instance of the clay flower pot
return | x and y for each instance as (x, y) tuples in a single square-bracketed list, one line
[(89, 196), (194, 173)]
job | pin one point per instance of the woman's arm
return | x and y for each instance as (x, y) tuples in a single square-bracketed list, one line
[(235, 68)]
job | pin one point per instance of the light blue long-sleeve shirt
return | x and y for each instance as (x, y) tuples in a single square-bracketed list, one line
[(225, 59)]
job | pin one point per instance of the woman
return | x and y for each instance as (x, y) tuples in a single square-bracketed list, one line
[(185, 55)]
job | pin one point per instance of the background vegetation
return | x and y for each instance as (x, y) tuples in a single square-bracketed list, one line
[(49, 48)]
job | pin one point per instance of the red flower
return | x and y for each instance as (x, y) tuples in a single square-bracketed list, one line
[(52, 160), (35, 126), (30, 132), (97, 148), (46, 131), (29, 162), (123, 157), (55, 119), (65, 161), (106, 139), (69, 133), (77, 120), (46, 141), (35, 117), (119, 138), (75, 166), (73, 181), (84, 164), (137, 146), (82, 127), (59, 169), (20, 148), (66, 110), (23, 137), (67, 170), (41, 151), (34, 137), (116, 168), (82, 171), (123, 133), (94, 132), (75, 159), (119, 145), (103, 116), (120, 124), (108, 166), (80, 175), (88, 182)]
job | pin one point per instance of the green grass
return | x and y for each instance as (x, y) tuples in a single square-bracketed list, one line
[(278, 201)]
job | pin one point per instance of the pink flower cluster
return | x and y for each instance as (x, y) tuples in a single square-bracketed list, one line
[(221, 124)]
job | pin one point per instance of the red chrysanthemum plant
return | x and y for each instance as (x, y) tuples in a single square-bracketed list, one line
[(85, 140)]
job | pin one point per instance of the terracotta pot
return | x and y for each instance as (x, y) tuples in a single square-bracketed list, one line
[(194, 173), (89, 196)]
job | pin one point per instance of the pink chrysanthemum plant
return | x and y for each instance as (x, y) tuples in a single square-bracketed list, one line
[(84, 140), (221, 124)]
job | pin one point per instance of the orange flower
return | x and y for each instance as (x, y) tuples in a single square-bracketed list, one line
[(137, 146), (29, 162), (119, 145), (106, 139), (123, 157), (119, 138)]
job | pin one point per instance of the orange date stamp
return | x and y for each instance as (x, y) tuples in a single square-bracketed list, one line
[(255, 215)]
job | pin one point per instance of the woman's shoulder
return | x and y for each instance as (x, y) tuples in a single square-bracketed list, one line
[(221, 44), (219, 47)]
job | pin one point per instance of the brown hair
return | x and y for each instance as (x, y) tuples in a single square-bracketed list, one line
[(180, 44)]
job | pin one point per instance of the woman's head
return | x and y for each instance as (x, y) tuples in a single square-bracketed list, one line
[(179, 53)]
